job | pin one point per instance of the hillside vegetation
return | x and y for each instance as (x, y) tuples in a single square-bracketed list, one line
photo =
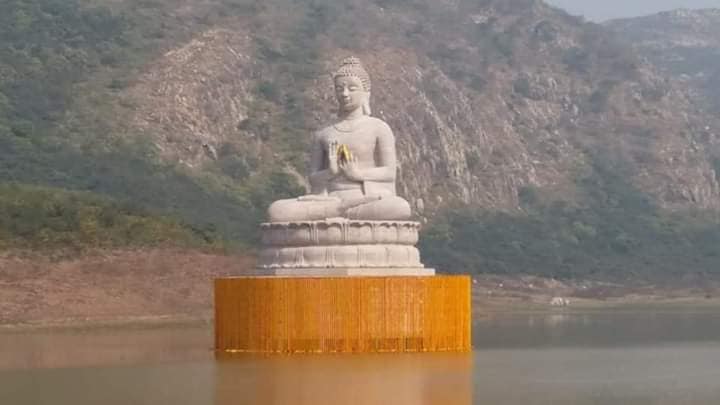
[(52, 51), (619, 234), (530, 141), (35, 218)]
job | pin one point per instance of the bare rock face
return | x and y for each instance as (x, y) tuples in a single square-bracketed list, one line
[(194, 97), (682, 43), (486, 99)]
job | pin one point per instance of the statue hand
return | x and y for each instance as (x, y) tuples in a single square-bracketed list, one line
[(351, 170), (333, 156)]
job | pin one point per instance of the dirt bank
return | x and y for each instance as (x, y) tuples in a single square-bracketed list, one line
[(513, 293), (154, 287), (145, 286)]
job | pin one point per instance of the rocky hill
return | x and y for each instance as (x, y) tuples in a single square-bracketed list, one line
[(531, 141), (487, 99), (685, 44)]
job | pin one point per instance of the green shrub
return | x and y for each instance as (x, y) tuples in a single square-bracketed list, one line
[(616, 232), (43, 218)]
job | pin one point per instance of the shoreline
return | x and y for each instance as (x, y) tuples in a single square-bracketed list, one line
[(532, 293), (126, 323), (481, 310), (160, 288)]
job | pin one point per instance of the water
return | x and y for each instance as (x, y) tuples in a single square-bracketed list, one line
[(598, 358)]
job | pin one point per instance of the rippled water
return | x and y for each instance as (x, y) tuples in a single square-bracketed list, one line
[(602, 358)]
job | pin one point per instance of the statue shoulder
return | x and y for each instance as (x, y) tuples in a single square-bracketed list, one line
[(377, 124), (377, 121), (323, 134), (381, 127)]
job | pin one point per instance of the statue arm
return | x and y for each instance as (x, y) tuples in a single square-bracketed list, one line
[(386, 168), (319, 174)]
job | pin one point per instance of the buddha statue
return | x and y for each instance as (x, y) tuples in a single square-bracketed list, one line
[(352, 223), (353, 162)]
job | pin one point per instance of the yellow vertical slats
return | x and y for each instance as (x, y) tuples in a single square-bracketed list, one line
[(342, 314)]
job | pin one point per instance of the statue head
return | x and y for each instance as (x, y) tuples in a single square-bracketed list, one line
[(352, 86)]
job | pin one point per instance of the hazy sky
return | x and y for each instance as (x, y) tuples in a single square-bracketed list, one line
[(599, 10)]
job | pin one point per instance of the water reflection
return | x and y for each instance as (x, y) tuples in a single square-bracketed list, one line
[(679, 373), (99, 347), (562, 358), (431, 379)]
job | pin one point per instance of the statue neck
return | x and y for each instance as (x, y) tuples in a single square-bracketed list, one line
[(350, 123), (352, 115)]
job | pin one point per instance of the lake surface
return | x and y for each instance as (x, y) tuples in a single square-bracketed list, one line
[(643, 357)]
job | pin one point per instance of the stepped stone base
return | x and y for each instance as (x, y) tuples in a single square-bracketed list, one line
[(340, 247), (344, 271), (352, 256)]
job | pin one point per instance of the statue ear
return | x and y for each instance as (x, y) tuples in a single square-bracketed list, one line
[(366, 106)]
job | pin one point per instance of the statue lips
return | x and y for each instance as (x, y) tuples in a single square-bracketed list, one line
[(347, 106)]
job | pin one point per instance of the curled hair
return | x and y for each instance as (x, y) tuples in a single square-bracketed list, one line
[(352, 67)]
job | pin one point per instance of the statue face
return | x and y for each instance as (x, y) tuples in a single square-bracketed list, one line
[(350, 93)]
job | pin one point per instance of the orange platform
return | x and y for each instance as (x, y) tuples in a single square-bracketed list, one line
[(342, 314)]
